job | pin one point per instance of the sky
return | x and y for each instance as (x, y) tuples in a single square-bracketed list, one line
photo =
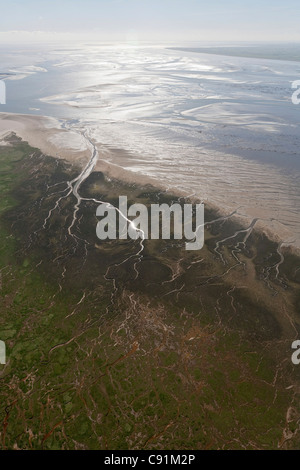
[(151, 20)]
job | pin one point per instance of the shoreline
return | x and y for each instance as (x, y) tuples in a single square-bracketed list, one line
[(46, 134), (204, 324)]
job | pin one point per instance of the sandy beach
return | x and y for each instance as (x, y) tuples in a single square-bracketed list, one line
[(45, 134), (48, 135)]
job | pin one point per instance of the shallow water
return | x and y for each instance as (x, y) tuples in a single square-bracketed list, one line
[(223, 128)]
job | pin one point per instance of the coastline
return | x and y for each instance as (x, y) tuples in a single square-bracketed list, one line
[(48, 135), (201, 332)]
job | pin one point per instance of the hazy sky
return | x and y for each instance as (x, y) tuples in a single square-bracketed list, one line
[(169, 20)]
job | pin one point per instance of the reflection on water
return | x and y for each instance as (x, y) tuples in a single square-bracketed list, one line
[(221, 127)]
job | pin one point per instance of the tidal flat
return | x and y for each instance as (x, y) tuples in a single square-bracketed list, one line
[(107, 349)]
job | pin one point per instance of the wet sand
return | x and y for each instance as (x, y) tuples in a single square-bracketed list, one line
[(45, 133), (48, 135)]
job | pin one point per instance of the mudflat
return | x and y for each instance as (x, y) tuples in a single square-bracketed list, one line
[(153, 346)]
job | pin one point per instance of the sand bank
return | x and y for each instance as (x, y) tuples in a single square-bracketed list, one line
[(49, 135)]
